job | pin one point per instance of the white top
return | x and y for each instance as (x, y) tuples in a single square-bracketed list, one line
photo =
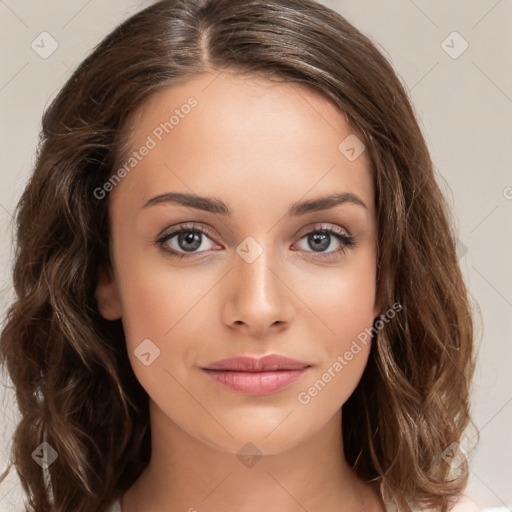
[(116, 507), (465, 504)]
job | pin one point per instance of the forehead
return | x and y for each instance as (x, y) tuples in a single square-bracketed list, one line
[(244, 136)]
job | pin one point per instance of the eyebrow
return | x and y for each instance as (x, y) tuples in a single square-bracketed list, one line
[(216, 206)]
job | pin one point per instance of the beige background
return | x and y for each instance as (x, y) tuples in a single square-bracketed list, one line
[(465, 108)]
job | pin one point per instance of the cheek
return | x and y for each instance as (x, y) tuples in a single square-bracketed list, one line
[(156, 297), (344, 307), (343, 298), (344, 356), (161, 307)]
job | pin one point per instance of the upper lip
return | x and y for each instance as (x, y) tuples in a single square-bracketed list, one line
[(267, 363)]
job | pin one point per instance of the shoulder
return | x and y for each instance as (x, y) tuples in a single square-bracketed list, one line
[(465, 504)]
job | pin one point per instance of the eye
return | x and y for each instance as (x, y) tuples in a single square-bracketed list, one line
[(321, 238), (185, 240)]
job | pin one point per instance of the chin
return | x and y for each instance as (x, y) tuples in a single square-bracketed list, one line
[(270, 437)]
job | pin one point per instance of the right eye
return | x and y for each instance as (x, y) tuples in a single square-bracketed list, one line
[(184, 240)]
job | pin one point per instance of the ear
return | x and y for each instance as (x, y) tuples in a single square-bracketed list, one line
[(107, 295)]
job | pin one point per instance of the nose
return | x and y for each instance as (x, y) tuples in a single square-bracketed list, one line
[(258, 300)]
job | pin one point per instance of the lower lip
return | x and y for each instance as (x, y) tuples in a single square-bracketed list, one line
[(256, 383)]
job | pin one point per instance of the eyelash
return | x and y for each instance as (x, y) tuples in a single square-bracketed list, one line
[(346, 241)]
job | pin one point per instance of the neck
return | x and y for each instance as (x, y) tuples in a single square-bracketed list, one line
[(186, 473)]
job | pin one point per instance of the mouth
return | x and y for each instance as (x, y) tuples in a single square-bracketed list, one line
[(256, 377)]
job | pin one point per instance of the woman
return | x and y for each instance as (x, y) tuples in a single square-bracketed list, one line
[(231, 251)]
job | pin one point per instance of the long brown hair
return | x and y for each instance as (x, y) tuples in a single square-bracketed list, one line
[(74, 384)]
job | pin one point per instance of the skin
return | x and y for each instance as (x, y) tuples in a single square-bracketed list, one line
[(258, 146)]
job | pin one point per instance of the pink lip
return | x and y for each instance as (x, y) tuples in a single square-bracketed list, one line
[(252, 376)]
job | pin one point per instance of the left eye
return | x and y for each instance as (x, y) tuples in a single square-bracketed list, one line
[(321, 239)]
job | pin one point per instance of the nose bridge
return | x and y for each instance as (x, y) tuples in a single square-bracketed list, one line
[(257, 296), (253, 268)]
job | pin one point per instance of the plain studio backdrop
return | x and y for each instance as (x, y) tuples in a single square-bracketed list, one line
[(454, 59)]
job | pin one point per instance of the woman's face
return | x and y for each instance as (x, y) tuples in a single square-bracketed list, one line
[(264, 278)]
